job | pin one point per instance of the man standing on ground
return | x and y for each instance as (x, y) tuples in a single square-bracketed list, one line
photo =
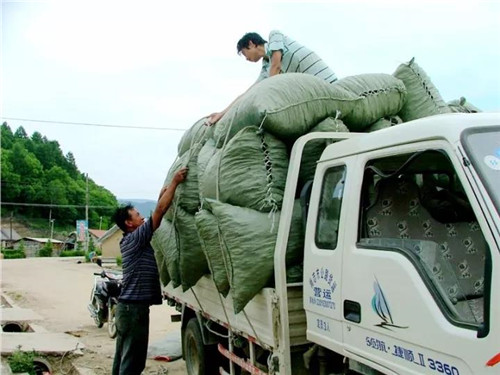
[(141, 286), (281, 55)]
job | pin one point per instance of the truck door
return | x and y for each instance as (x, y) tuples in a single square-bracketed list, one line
[(417, 261), (323, 255)]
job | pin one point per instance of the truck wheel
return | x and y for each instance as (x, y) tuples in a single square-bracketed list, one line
[(196, 353)]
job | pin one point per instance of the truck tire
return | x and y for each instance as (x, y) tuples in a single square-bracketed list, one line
[(200, 359)]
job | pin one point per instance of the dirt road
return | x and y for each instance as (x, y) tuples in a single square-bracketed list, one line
[(58, 289)]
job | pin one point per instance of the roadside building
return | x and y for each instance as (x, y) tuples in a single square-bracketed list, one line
[(96, 234), (32, 245), (9, 237), (109, 243)]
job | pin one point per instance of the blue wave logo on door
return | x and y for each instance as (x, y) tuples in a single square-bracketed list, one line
[(381, 307)]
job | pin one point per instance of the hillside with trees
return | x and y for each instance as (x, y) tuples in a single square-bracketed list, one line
[(39, 181)]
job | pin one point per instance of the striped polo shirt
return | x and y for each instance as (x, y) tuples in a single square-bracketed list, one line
[(141, 282), (295, 58)]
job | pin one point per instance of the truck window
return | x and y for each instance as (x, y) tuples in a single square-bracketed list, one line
[(332, 191), (483, 148), (414, 204)]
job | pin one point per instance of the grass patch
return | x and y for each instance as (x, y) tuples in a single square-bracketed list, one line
[(22, 362), (72, 253), (13, 254)]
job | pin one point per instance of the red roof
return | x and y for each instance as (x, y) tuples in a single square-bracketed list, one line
[(97, 232)]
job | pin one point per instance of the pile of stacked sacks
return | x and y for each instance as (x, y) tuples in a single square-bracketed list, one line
[(225, 215)]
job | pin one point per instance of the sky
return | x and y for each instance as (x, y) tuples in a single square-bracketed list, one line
[(157, 67)]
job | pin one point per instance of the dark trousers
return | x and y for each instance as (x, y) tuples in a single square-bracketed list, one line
[(132, 324)]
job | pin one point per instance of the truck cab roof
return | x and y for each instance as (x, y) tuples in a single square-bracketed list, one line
[(447, 127)]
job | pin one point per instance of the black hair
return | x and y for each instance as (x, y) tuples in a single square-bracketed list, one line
[(121, 214), (250, 37)]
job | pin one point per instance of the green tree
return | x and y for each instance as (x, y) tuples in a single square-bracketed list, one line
[(71, 167), (20, 133), (11, 181), (7, 136), (25, 163), (35, 170)]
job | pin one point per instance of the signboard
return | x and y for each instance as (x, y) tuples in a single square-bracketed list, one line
[(82, 227)]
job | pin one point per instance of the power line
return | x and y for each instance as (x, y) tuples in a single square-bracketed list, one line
[(54, 205), (94, 124)]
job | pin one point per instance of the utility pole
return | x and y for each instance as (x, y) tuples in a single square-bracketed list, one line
[(100, 223), (50, 219), (52, 228), (11, 217), (87, 214)]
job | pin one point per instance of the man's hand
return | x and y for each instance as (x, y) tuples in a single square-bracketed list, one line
[(180, 175), (166, 197), (213, 118)]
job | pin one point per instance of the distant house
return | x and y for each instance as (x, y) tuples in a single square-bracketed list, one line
[(109, 243), (32, 245), (95, 234), (9, 237), (72, 239)]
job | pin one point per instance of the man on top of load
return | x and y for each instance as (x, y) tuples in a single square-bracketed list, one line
[(280, 55)]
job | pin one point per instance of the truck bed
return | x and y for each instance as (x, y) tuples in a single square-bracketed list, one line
[(256, 321)]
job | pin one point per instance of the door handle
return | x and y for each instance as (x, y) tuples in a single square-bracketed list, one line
[(352, 311)]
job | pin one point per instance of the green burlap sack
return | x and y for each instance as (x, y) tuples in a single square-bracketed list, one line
[(383, 95), (193, 264), (160, 263), (383, 123), (252, 171), (187, 194), (287, 105), (423, 98), (206, 153), (209, 182), (204, 156), (208, 231), (248, 249), (295, 274), (314, 148), (462, 106), (177, 164), (248, 239), (198, 133), (295, 245), (164, 242)]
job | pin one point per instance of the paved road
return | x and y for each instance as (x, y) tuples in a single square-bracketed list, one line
[(58, 289)]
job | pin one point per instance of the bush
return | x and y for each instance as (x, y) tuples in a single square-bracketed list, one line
[(119, 261), (13, 254), (72, 253), (20, 246), (22, 362), (46, 250)]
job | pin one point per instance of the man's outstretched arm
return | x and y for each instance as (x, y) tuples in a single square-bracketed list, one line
[(166, 198)]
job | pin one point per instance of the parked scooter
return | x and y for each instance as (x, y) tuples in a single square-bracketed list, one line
[(104, 298)]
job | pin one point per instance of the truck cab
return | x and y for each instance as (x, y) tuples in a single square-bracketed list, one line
[(400, 262), (401, 257)]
